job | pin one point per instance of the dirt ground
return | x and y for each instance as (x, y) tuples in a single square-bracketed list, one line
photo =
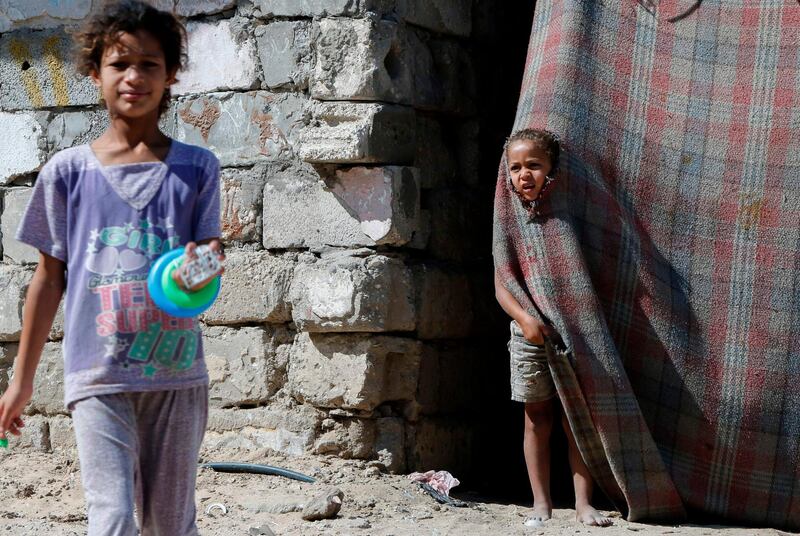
[(41, 494)]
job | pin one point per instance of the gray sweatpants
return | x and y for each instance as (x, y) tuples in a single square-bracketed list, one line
[(141, 448)]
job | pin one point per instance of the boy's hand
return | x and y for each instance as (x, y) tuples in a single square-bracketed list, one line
[(12, 403), (535, 331), (532, 330), (190, 255)]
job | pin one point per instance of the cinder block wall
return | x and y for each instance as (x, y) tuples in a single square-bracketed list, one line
[(348, 135)]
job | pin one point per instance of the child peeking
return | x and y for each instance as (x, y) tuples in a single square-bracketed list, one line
[(532, 157)]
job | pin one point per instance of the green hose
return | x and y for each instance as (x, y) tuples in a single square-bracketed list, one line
[(238, 467)]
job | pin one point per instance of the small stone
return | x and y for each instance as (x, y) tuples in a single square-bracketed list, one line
[(535, 523), (324, 506), (262, 530), (372, 472)]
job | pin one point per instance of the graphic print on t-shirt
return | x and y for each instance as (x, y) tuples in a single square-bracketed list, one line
[(136, 332)]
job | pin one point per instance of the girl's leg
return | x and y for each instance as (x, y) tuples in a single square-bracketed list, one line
[(584, 511), (536, 445), (105, 428), (171, 428)]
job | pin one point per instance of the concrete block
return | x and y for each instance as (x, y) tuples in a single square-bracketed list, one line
[(13, 284), (452, 77), (240, 128), (62, 434), (316, 8), (343, 292), (381, 60), (37, 71), (386, 201), (255, 288), (435, 157), (443, 303), (356, 207), (352, 371), (75, 128), (21, 145), (35, 435), (15, 202), (347, 438), (390, 444), (48, 385), (241, 202), (361, 59), (347, 132), (284, 48), (300, 210), (192, 8), (221, 57), (41, 13), (246, 366), (287, 430), (443, 16), (452, 213), (468, 152), (163, 5), (8, 352)]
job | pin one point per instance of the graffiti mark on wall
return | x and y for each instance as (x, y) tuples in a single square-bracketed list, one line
[(56, 68), (21, 53), (46, 76)]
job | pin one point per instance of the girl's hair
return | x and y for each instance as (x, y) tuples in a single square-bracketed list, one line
[(129, 16), (544, 139)]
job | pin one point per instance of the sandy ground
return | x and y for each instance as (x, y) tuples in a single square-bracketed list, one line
[(41, 494)]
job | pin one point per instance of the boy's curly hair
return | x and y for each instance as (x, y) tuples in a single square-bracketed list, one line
[(129, 16), (546, 140)]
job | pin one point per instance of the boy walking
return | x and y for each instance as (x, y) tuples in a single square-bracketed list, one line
[(100, 214)]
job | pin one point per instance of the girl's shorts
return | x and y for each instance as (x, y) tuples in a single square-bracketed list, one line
[(530, 374)]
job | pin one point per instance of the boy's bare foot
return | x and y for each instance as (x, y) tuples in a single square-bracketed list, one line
[(587, 515), (540, 514)]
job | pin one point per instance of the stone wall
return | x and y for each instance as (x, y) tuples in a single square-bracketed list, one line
[(347, 133)]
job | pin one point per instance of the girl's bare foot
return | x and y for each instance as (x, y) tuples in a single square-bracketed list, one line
[(587, 515), (540, 514)]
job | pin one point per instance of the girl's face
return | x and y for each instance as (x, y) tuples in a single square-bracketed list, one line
[(529, 165), (133, 75)]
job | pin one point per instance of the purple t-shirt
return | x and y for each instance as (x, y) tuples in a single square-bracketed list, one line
[(109, 224)]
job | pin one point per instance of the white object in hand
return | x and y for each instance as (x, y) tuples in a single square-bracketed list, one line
[(201, 269)]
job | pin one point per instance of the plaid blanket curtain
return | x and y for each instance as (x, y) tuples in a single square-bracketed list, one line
[(667, 255)]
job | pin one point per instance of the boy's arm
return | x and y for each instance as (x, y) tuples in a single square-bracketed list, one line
[(41, 303), (532, 329)]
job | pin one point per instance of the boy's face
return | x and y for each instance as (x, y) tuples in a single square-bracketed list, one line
[(133, 75), (529, 165)]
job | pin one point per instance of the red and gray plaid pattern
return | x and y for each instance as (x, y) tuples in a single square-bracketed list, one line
[(668, 256)]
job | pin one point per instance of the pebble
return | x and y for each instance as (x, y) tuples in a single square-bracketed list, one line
[(535, 523), (324, 506), (371, 472)]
